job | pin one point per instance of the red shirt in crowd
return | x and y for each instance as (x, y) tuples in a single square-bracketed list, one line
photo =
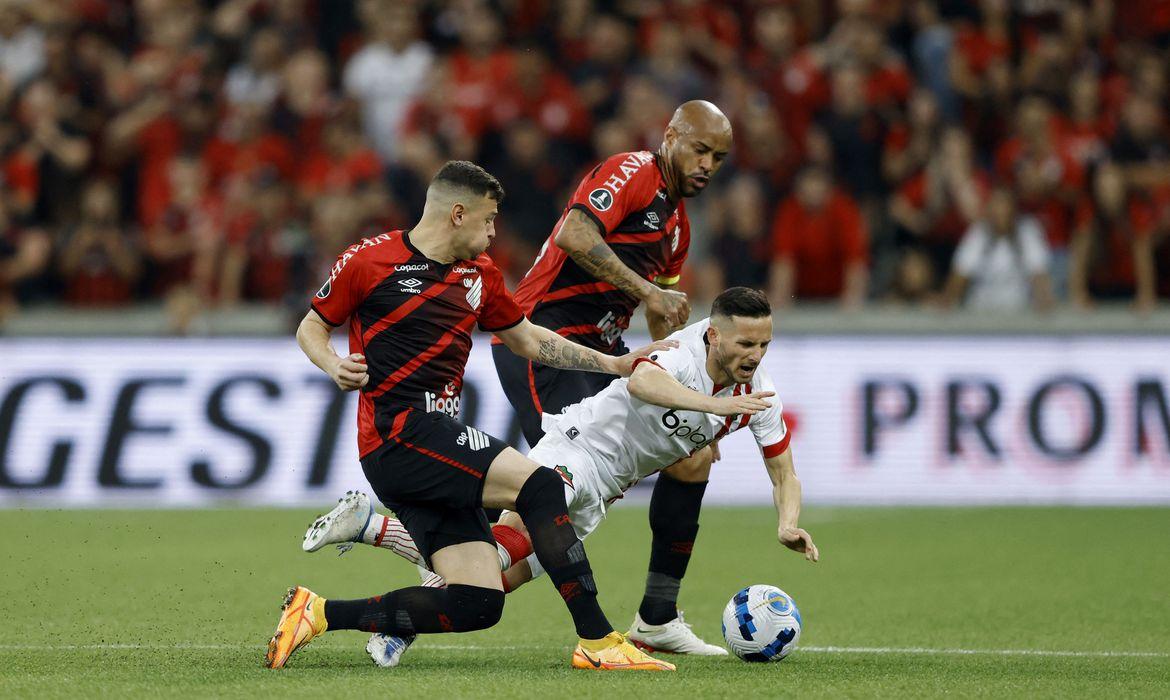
[(980, 49), (322, 172), (555, 107), (950, 224), (475, 84), (821, 243), (1051, 209), (1111, 264)]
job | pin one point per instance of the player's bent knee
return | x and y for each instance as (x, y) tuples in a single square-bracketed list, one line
[(697, 467), (508, 473), (474, 607)]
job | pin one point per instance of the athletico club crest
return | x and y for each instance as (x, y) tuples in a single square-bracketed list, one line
[(474, 291)]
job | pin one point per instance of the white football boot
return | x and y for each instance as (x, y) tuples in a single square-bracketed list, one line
[(387, 651), (675, 637), (343, 525)]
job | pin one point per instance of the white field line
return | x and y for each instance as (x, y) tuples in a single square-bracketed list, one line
[(535, 647)]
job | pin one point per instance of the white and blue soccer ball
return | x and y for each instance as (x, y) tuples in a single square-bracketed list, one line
[(761, 623)]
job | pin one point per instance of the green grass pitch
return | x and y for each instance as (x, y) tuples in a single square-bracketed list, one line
[(914, 602)]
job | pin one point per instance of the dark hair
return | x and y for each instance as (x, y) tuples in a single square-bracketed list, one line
[(469, 176), (741, 301)]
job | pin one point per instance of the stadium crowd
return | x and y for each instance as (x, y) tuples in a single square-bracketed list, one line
[(996, 154)]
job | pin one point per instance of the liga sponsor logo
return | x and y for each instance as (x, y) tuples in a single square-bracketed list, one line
[(446, 402)]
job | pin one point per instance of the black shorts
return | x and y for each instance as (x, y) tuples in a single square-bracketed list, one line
[(534, 388), (431, 473)]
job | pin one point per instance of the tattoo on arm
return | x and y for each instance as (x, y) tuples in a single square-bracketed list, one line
[(557, 352), (601, 262)]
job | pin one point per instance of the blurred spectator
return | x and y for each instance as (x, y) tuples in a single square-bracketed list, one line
[(608, 57), (388, 72), (528, 170), (739, 253), (887, 83), (539, 93), (933, 44), (1112, 249), (792, 76), (246, 145), (668, 63), (306, 101), (22, 48), (1141, 146), (480, 67), (257, 78), (856, 134), (935, 207), (261, 242), (908, 145), (763, 148), (342, 162), (915, 280), (181, 245), (1003, 261), (99, 261), (47, 169), (819, 245), (1046, 179), (1086, 130), (24, 257)]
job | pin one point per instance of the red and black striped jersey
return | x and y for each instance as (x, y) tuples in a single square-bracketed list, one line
[(412, 319), (626, 196)]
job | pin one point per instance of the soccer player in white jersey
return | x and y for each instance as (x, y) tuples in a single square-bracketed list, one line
[(675, 402)]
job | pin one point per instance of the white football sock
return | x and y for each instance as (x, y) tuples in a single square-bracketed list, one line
[(389, 533)]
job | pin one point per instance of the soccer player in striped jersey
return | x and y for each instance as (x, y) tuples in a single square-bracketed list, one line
[(622, 240), (677, 401), (411, 299)]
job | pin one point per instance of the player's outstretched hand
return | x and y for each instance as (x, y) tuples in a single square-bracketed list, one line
[(625, 363), (670, 305), (742, 405), (350, 372), (798, 540)]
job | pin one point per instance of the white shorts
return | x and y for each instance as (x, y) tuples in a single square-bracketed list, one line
[(579, 472)]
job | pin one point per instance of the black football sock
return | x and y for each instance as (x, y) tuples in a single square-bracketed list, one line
[(674, 522), (541, 503), (408, 611)]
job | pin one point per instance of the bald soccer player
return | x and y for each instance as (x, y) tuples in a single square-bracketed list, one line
[(622, 240)]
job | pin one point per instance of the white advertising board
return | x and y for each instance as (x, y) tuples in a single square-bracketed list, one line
[(876, 420)]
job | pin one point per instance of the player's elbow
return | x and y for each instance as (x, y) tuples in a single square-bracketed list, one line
[(639, 382), (577, 234)]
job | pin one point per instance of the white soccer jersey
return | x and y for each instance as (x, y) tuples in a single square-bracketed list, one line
[(629, 439)]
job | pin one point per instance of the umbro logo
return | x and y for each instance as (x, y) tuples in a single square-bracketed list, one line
[(410, 285), (652, 219)]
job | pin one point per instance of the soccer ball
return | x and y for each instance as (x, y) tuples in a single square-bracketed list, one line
[(761, 623)]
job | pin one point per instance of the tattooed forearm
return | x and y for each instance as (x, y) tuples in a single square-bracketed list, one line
[(555, 351), (601, 262)]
